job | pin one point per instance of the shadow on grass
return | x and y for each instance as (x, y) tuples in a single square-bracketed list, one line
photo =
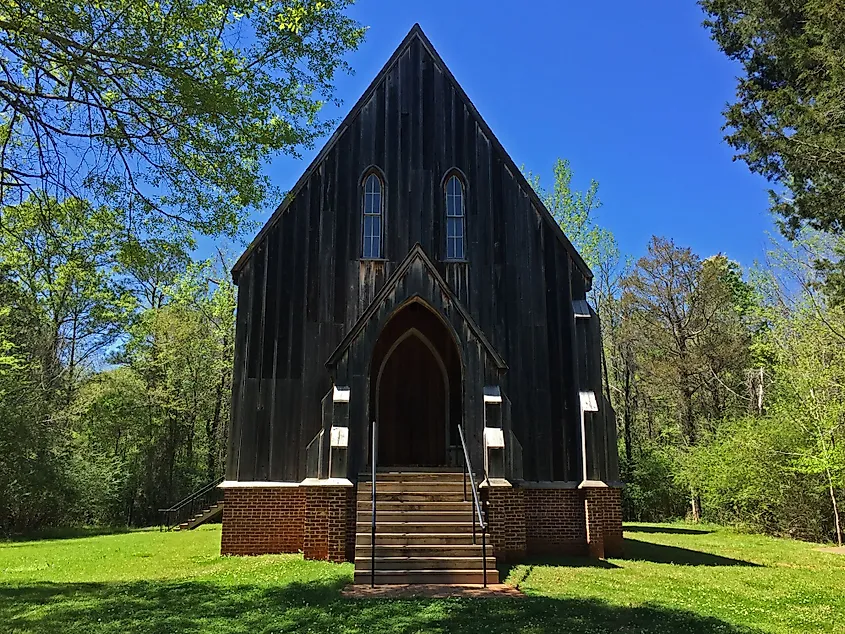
[(669, 530), (634, 550), (63, 533), (662, 554), (151, 608), (567, 561)]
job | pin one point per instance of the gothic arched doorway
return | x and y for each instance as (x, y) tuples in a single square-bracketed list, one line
[(415, 389)]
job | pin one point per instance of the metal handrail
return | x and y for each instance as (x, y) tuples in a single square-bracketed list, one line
[(167, 514), (476, 505), (373, 456)]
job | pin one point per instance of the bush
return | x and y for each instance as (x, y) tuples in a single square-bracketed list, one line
[(651, 493)]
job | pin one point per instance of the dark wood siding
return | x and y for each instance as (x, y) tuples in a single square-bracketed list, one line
[(303, 285)]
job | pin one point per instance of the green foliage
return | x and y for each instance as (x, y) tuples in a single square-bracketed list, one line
[(674, 578), (685, 328), (574, 211), (745, 477), (63, 256), (165, 110), (84, 443), (787, 121), (159, 421), (651, 492)]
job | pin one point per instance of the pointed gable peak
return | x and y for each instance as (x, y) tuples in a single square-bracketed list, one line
[(417, 34)]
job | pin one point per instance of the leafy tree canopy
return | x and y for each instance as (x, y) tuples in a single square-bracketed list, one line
[(788, 121), (574, 211), (166, 110)]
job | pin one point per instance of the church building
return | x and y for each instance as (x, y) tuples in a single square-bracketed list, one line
[(413, 311)]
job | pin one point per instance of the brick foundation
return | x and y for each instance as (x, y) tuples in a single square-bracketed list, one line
[(506, 513), (607, 509), (314, 520), (554, 521), (320, 521), (262, 520), (326, 509)]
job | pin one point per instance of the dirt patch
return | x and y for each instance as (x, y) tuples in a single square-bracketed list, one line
[(836, 550), (430, 591)]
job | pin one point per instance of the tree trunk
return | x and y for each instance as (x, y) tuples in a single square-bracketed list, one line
[(695, 505), (837, 523), (213, 429), (628, 414)]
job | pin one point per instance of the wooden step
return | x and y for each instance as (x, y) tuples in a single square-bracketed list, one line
[(202, 517), (365, 488), (364, 538), (413, 496), (423, 550), (366, 506), (424, 563), (446, 577), (410, 476), (424, 530), (365, 517), (417, 527)]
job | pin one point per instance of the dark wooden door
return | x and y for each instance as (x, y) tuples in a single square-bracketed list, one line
[(412, 407)]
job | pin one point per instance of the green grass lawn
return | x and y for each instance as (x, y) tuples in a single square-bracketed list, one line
[(674, 578)]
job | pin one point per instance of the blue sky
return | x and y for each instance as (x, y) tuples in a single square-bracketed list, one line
[(631, 93)]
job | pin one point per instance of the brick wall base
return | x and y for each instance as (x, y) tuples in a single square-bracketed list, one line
[(506, 523), (313, 520), (319, 521), (326, 511), (564, 521), (606, 509), (263, 520), (555, 518)]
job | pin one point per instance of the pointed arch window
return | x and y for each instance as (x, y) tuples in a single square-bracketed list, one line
[(455, 218), (373, 206)]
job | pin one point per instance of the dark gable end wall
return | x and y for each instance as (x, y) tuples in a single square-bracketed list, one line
[(302, 287)]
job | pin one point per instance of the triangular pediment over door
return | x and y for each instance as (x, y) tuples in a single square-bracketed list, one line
[(416, 282)]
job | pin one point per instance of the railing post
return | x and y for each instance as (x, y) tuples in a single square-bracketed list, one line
[(484, 553), (373, 530), (464, 460), (473, 527)]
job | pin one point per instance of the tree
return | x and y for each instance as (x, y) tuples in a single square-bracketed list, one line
[(63, 257), (689, 342), (34, 487), (574, 211), (788, 123), (807, 336), (165, 110)]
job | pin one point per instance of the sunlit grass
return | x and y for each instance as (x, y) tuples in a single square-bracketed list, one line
[(674, 578)]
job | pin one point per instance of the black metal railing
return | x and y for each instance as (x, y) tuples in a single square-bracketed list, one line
[(477, 511), (374, 460), (185, 510)]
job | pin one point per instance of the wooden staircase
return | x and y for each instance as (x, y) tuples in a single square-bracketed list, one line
[(201, 517), (198, 508), (423, 531)]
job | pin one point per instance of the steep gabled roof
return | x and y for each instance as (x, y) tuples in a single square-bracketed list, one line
[(417, 253), (416, 33)]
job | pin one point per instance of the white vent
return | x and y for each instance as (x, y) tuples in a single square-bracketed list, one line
[(492, 394), (581, 308), (340, 437), (588, 402), (494, 438)]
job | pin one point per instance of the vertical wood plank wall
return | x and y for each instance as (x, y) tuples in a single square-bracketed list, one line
[(304, 285)]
